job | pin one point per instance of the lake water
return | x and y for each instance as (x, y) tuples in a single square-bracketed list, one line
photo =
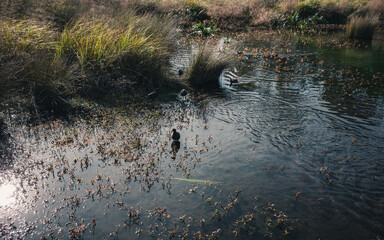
[(293, 150)]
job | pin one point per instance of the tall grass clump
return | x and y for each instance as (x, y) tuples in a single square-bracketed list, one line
[(29, 69), (103, 45), (362, 27), (376, 7), (206, 68)]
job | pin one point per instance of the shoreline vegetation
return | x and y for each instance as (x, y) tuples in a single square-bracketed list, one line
[(52, 52)]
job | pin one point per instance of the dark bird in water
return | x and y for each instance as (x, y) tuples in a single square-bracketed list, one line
[(175, 135), (183, 93), (154, 94), (181, 72), (233, 77), (232, 81)]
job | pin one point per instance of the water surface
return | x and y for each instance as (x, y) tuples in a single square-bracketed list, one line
[(293, 150)]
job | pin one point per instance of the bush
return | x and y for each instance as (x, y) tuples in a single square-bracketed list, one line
[(206, 68), (362, 27)]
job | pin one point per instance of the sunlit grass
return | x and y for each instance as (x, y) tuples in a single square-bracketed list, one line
[(91, 55), (103, 42), (25, 36)]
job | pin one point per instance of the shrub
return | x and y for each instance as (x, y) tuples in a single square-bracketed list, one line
[(206, 68), (362, 27)]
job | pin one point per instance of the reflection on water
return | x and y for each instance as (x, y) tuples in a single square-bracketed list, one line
[(292, 150), (7, 194)]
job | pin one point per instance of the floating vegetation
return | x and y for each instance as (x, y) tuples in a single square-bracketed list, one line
[(267, 221), (300, 127), (197, 181)]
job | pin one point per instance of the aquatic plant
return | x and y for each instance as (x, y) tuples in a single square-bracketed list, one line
[(204, 28), (362, 27), (296, 21), (266, 219), (206, 68)]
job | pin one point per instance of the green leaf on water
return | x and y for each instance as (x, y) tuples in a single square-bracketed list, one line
[(197, 181)]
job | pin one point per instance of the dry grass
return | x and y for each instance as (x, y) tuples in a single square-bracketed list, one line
[(376, 7), (362, 27), (206, 68), (25, 36)]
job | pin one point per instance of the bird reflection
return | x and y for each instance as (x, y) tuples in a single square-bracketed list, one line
[(175, 148)]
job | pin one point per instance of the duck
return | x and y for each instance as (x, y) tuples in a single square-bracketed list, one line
[(183, 92), (233, 80), (175, 135)]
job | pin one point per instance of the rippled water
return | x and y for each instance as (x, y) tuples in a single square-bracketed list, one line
[(293, 150)]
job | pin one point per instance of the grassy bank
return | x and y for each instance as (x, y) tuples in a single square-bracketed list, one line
[(76, 53), (52, 51)]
